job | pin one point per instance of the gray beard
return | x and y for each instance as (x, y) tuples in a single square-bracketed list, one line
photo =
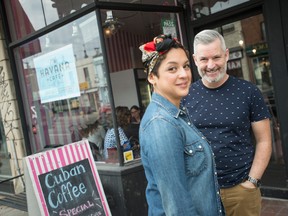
[(217, 79)]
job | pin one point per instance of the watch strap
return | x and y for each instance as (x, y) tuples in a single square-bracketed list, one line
[(255, 181)]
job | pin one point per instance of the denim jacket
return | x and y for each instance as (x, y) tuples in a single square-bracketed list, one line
[(178, 162)]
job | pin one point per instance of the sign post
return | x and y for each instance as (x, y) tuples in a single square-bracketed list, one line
[(64, 181)]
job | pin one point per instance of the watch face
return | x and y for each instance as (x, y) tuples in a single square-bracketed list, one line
[(256, 182)]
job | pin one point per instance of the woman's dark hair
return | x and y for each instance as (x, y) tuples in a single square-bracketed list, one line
[(163, 56), (134, 107), (123, 116)]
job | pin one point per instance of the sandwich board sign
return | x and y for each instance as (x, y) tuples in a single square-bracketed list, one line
[(64, 181)]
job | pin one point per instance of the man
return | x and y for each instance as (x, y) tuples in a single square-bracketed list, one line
[(225, 109)]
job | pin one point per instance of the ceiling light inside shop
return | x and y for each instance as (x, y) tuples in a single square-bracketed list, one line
[(111, 24)]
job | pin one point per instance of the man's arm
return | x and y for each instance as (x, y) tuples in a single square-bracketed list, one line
[(262, 133)]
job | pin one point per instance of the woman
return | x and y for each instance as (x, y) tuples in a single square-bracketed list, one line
[(178, 161), (135, 114), (123, 119), (132, 130)]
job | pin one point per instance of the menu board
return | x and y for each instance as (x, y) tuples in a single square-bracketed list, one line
[(66, 182)]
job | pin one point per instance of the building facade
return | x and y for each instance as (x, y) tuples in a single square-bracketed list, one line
[(66, 65)]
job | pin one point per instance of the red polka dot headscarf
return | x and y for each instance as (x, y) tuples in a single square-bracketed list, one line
[(152, 50)]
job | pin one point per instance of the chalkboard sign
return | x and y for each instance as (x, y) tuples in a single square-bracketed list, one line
[(66, 182)]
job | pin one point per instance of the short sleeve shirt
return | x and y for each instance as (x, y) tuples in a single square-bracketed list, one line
[(110, 139), (224, 116)]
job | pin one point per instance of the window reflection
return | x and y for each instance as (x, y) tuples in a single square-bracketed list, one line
[(36, 14), (71, 115), (66, 7), (55, 114), (202, 8)]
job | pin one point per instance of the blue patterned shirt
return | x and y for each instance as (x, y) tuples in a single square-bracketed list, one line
[(110, 140), (224, 116)]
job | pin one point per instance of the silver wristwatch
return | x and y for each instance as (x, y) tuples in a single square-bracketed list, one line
[(255, 181)]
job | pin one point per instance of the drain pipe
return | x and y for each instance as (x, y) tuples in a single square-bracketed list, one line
[(17, 163)]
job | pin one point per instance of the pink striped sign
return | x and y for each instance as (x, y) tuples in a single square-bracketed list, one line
[(66, 181)]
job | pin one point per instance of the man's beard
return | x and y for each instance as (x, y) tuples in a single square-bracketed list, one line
[(214, 80)]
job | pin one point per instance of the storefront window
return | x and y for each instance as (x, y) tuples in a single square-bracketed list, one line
[(203, 8), (124, 32), (63, 76), (28, 16), (65, 91)]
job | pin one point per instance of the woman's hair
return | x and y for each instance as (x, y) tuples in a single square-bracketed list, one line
[(154, 52), (163, 56), (208, 36), (123, 116), (134, 107)]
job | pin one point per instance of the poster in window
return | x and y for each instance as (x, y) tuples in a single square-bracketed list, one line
[(169, 27), (57, 75)]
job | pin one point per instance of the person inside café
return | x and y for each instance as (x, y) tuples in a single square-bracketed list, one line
[(110, 144)]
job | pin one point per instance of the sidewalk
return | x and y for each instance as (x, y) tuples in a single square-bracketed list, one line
[(6, 205), (274, 207), (270, 207), (7, 211)]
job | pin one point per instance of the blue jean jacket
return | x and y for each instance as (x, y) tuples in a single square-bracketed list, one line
[(178, 162)]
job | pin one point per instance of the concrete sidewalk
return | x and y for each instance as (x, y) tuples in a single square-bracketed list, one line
[(274, 207), (7, 211), (270, 207)]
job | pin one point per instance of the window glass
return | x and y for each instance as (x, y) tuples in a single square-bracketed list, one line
[(63, 78), (36, 14), (124, 32), (203, 8), (27, 16), (64, 87)]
